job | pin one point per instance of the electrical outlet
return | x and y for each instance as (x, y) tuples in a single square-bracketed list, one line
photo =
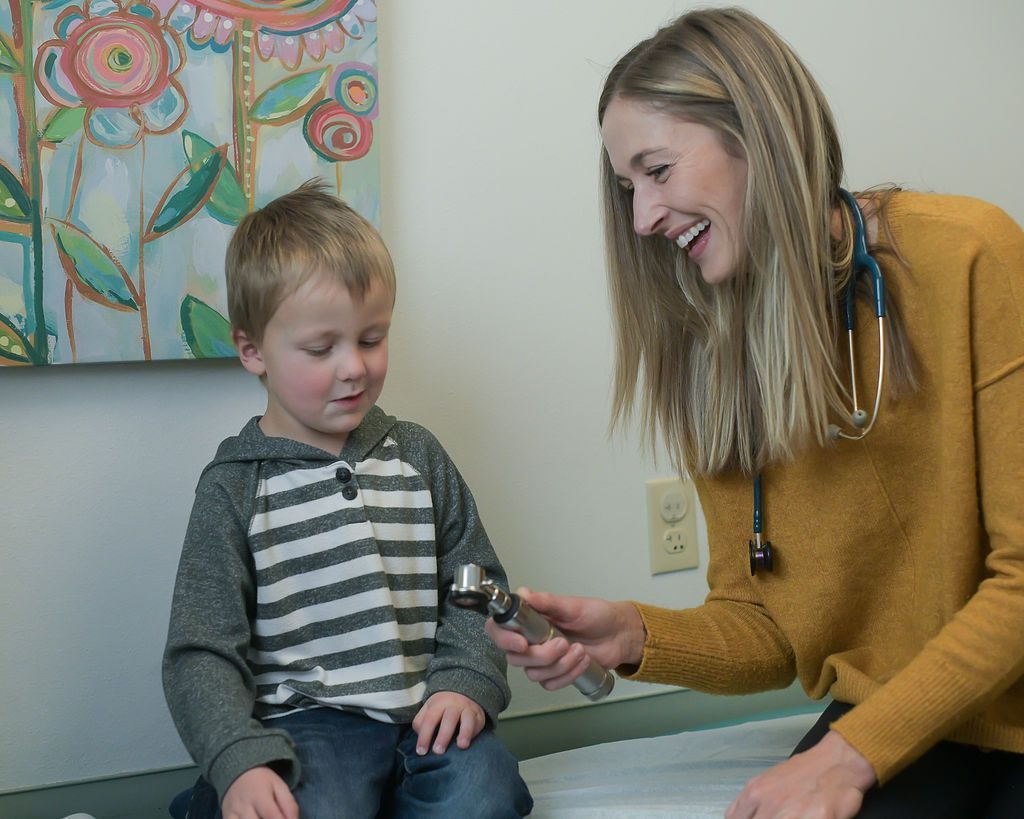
[(671, 525)]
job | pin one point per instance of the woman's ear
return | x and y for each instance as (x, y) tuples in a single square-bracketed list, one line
[(249, 353)]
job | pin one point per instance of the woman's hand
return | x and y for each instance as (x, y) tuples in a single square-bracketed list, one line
[(443, 714), (259, 793), (827, 781), (611, 633)]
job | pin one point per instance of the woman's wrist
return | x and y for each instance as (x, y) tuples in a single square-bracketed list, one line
[(862, 773), (634, 633)]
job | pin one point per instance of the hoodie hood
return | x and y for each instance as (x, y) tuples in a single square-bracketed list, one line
[(251, 444)]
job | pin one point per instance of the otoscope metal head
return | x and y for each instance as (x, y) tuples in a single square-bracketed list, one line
[(468, 589), (471, 589)]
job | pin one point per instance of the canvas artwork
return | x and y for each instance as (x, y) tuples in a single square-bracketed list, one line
[(134, 134)]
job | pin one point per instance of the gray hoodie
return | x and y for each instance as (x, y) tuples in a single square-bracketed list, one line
[(311, 579)]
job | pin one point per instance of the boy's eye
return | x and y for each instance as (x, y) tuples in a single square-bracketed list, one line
[(318, 352), (370, 342)]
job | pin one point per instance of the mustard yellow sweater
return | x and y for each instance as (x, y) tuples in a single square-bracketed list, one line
[(899, 570)]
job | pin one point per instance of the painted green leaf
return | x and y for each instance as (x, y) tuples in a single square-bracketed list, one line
[(207, 332), (8, 62), (98, 276), (288, 99), (63, 123), (227, 202), (186, 202), (14, 203), (14, 347)]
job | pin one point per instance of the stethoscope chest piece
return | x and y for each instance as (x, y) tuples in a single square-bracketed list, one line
[(760, 556)]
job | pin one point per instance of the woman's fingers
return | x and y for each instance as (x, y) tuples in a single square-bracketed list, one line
[(505, 639), (564, 672)]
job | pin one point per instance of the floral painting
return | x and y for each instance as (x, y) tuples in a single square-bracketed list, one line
[(135, 134)]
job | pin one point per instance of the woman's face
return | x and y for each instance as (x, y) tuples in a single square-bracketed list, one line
[(686, 187)]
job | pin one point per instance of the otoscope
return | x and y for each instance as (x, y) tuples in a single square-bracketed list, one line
[(472, 589)]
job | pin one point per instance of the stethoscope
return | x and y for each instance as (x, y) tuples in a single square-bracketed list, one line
[(761, 553)]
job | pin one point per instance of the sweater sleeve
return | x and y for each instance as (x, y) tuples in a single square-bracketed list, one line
[(208, 685), (979, 653), (465, 660), (725, 646), (728, 645)]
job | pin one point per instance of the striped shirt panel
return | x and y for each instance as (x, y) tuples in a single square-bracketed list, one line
[(346, 588)]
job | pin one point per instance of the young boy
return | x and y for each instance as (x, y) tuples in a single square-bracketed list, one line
[(314, 665)]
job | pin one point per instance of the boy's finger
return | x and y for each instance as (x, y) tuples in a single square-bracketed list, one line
[(285, 801), (425, 733), (267, 808), (446, 730), (469, 727)]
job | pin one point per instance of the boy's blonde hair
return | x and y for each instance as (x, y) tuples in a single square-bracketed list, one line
[(300, 234)]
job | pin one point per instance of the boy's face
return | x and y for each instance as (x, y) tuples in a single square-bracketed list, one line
[(325, 357)]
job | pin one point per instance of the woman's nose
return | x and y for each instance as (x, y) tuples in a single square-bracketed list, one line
[(648, 213)]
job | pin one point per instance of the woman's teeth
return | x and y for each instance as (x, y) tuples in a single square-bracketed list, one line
[(684, 240)]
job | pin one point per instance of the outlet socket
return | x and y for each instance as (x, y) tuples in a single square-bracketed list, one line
[(671, 525)]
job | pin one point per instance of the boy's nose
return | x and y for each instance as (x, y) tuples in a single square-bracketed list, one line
[(351, 366)]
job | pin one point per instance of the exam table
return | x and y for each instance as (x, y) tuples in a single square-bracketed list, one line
[(690, 774)]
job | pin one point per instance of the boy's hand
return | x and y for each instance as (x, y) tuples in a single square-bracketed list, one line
[(259, 793), (442, 713)]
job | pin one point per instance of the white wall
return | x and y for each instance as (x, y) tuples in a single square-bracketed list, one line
[(501, 346)]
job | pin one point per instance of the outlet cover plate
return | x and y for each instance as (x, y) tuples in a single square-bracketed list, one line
[(671, 525)]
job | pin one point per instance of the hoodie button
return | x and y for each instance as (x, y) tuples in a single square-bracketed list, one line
[(349, 493), (344, 475)]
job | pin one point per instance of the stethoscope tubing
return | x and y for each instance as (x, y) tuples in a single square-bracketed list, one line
[(761, 551)]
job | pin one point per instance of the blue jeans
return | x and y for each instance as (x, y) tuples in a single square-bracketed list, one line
[(353, 766)]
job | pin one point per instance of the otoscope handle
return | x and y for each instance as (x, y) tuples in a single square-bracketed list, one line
[(595, 683)]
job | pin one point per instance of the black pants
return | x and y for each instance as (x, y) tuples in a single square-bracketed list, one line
[(951, 781)]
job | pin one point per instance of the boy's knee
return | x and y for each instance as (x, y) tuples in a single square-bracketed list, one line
[(482, 781)]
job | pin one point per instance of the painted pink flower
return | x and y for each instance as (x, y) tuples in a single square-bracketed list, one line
[(337, 134), (119, 62), (282, 29)]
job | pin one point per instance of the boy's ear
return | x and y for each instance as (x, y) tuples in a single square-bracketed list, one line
[(248, 353)]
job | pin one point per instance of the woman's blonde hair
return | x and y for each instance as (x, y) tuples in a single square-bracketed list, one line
[(743, 373), (303, 233)]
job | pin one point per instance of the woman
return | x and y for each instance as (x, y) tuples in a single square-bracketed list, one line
[(894, 576)]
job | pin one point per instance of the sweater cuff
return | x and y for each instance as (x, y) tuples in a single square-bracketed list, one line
[(653, 664), (478, 687), (663, 660), (274, 750), (897, 723)]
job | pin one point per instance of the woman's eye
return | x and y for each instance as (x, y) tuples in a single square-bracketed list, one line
[(657, 173)]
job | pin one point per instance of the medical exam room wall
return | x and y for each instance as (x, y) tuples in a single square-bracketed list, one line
[(502, 341)]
